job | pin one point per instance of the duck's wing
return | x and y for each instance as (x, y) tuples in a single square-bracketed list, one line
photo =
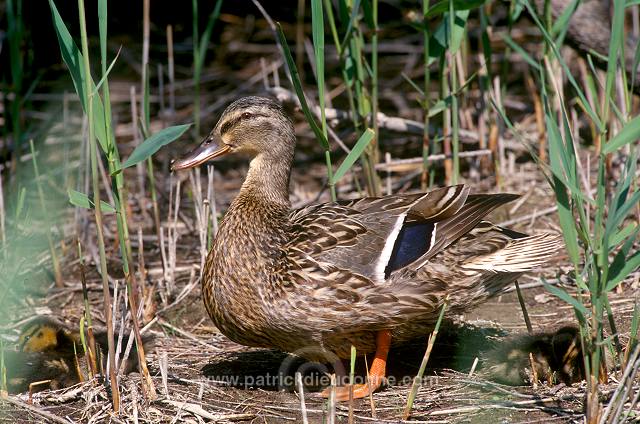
[(446, 231), (361, 235), (492, 248)]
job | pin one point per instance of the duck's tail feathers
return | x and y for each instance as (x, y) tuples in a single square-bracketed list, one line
[(520, 255)]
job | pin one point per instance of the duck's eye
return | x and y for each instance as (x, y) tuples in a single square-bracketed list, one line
[(246, 115)]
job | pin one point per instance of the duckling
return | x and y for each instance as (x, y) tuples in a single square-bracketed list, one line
[(551, 356), (35, 371), (50, 353), (45, 333)]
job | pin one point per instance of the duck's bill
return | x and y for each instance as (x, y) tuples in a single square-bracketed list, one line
[(210, 148)]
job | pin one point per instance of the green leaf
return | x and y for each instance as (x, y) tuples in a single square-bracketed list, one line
[(526, 56), (82, 200), (297, 85), (629, 134), (154, 143), (459, 23), (440, 106), (347, 34), (562, 23), (567, 221), (102, 25), (621, 213), (563, 160), (617, 238), (621, 268), (442, 40), (562, 294), (616, 43), (21, 202), (562, 62), (443, 6), (74, 60), (355, 153), (106, 74)]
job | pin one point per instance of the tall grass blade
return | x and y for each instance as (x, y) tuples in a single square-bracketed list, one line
[(417, 381), (317, 21), (615, 46), (355, 153), (297, 85), (97, 121), (592, 115), (629, 134), (206, 34), (74, 59)]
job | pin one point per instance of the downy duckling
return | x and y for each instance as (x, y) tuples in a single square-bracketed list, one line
[(50, 355)]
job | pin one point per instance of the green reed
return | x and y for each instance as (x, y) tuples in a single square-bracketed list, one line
[(200, 47), (595, 216), (98, 111)]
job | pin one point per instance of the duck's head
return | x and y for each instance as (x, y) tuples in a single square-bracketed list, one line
[(43, 334), (253, 126)]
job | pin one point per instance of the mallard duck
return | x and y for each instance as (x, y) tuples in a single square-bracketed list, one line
[(51, 353), (317, 280)]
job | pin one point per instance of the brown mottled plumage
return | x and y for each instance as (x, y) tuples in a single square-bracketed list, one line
[(316, 280)]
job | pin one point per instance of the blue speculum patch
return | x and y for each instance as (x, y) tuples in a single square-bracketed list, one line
[(414, 240)]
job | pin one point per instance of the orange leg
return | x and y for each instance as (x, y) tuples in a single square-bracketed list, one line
[(376, 372)]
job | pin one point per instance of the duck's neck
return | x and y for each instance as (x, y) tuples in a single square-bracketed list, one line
[(268, 180)]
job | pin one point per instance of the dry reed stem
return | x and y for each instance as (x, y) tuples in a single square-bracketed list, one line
[(171, 70), (172, 237), (618, 398), (92, 358), (163, 364), (303, 405), (473, 367), (165, 272), (539, 114), (160, 71), (150, 389), (211, 197), (331, 404), (136, 141), (523, 306), (50, 417), (106, 184), (201, 412), (201, 213)]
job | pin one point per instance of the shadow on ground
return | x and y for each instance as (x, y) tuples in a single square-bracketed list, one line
[(456, 348)]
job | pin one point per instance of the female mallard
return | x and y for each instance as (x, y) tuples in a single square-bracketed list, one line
[(316, 280)]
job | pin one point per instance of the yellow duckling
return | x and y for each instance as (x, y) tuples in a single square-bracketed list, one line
[(50, 355)]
